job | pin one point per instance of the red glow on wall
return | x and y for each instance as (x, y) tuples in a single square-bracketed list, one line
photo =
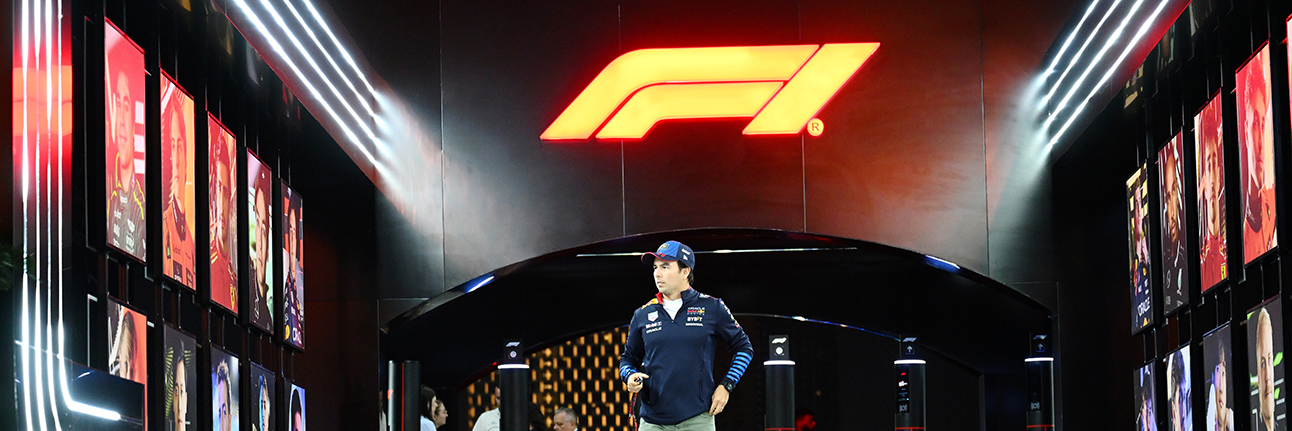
[(782, 87)]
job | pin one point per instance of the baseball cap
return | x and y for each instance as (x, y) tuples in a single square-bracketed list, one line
[(671, 251)]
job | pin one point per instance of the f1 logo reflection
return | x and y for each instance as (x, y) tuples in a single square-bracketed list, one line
[(781, 87)]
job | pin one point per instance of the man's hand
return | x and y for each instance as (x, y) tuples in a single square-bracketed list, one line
[(719, 400), (635, 382)]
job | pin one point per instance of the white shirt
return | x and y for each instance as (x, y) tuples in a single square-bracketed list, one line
[(488, 421), (427, 424), (671, 306)]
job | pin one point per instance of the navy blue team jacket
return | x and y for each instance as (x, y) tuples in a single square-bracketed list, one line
[(677, 354)]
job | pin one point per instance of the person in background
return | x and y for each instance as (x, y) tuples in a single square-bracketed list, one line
[(426, 405), (440, 414), (488, 421), (565, 420), (537, 421)]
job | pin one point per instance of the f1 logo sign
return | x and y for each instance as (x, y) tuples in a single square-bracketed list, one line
[(782, 87)]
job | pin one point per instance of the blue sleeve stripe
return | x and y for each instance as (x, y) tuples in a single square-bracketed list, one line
[(740, 367)]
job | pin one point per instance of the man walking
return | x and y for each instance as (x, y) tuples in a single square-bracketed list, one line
[(668, 359)]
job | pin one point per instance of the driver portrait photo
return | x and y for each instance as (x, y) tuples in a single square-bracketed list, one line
[(178, 244), (1209, 137), (1265, 366), (123, 71), (223, 215), (1256, 156)]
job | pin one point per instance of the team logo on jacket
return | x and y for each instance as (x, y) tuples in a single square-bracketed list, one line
[(653, 315)]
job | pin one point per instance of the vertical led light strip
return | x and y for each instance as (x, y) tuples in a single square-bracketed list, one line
[(42, 69)]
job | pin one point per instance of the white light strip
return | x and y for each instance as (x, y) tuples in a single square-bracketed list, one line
[(273, 43), (1094, 63), (37, 369), (278, 19), (1076, 58), (25, 334), (348, 83), (1073, 35), (778, 362), (1135, 41), (1039, 360), (513, 367), (339, 46), (909, 362)]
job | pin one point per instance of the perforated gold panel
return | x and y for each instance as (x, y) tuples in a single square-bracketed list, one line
[(582, 374)]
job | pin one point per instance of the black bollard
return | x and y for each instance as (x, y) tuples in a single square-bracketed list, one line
[(513, 375), (780, 385), (910, 388), (404, 392), (1040, 385)]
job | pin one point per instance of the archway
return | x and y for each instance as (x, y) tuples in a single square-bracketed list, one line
[(977, 322)]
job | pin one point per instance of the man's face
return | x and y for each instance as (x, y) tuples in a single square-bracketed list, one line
[(222, 401), (292, 236), (1172, 186), (1211, 186), (262, 233), (180, 403), (264, 408), (222, 187), (1177, 409), (178, 157), (669, 277), (562, 422), (123, 125), (1265, 368)]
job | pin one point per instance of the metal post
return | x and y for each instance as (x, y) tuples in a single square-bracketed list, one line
[(513, 375), (780, 385)]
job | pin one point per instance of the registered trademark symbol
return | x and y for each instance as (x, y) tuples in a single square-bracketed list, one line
[(815, 127)]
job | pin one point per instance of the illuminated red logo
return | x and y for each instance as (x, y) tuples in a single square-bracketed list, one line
[(781, 87)]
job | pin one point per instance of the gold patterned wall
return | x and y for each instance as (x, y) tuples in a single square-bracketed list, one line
[(582, 374)]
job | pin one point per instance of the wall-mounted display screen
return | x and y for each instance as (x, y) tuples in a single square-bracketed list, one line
[(1209, 138), (1256, 156), (1216, 368), (128, 345), (1179, 391), (1265, 365), (223, 209), (1175, 254), (1145, 407), (224, 391), (178, 144), (1140, 262), (293, 268), (124, 149), (259, 219), (262, 397), (179, 359), (296, 410)]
